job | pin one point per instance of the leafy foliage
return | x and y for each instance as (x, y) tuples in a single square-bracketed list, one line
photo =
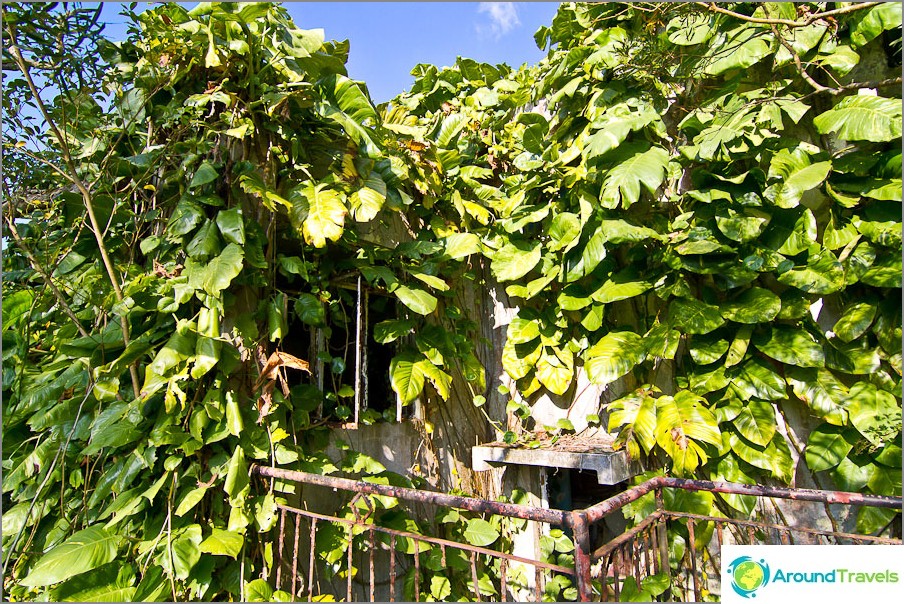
[(675, 195)]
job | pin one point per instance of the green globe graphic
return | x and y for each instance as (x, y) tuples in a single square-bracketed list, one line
[(749, 575)]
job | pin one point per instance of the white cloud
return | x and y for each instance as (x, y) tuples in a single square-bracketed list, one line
[(503, 18)]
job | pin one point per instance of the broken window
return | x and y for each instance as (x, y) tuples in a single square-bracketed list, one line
[(348, 366)]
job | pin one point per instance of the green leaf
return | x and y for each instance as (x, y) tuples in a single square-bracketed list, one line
[(325, 215), (621, 286), (756, 421), (407, 376), (743, 227), (857, 318), (185, 551), (460, 245), (851, 475), (366, 202), (637, 167), (867, 25), (216, 275), (258, 591), (231, 225), (481, 533), (85, 550), (822, 275), (190, 500), (206, 173), (440, 588), (694, 316), (662, 341), (634, 416), (616, 353), (555, 369), (705, 350), (826, 447), (791, 239), (871, 520), (514, 260), (875, 413), (521, 331), (185, 218), (114, 582), (449, 129), (792, 346), (822, 392), (222, 543), (418, 300), (796, 175), (862, 118), (755, 379), (739, 48), (390, 331), (563, 231), (310, 310), (237, 479)]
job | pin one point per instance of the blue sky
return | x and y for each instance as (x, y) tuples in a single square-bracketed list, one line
[(389, 38)]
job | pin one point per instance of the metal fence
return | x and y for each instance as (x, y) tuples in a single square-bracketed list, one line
[(363, 558)]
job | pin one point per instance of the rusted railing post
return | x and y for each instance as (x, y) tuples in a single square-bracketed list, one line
[(581, 529), (662, 535)]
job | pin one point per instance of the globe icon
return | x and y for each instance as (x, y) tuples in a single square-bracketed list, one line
[(748, 575)]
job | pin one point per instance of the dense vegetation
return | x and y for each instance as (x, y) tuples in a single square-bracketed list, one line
[(697, 204)]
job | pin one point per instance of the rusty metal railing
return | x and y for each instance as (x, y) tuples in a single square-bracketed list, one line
[(378, 557)]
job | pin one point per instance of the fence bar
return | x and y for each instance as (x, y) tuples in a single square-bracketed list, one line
[(581, 530), (693, 554), (549, 516), (311, 560), (295, 555)]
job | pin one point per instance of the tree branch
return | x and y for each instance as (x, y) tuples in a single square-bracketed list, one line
[(86, 195), (789, 22)]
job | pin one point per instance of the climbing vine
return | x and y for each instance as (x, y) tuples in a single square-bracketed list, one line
[(695, 205)]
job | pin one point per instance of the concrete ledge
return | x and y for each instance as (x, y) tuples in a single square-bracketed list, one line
[(611, 467)]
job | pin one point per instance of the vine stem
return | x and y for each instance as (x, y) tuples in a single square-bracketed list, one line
[(83, 190)]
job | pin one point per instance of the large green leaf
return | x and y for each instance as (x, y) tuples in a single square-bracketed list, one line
[(113, 582), (796, 175), (325, 218), (519, 359), (756, 421), (418, 300), (407, 376), (853, 476), (481, 533), (755, 379), (874, 412), (822, 392), (826, 447), (681, 420), (862, 118), (822, 275), (638, 166), (856, 319), (222, 543), (705, 350), (617, 353), (555, 369), (460, 245), (634, 416), (85, 550), (745, 226), (365, 203), (216, 275), (792, 346), (514, 260), (621, 286), (754, 305), (868, 24), (739, 48), (791, 238), (521, 331), (231, 225), (694, 316)]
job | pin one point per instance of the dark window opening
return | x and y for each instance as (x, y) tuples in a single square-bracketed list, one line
[(572, 489)]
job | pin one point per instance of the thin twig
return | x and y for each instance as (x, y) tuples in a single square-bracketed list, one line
[(86, 195), (61, 300), (789, 22)]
